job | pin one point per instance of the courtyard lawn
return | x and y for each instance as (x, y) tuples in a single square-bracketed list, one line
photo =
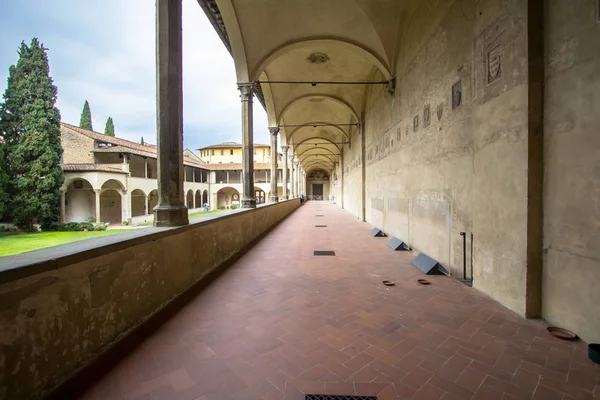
[(13, 243)]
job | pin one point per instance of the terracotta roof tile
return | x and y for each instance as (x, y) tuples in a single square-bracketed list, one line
[(93, 167)]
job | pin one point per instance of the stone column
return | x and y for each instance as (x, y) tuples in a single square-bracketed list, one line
[(63, 207), (125, 205), (274, 197), (248, 199), (171, 209), (284, 172), (294, 177), (213, 205), (97, 205), (145, 168)]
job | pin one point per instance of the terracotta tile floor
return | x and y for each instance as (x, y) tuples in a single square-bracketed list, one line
[(281, 322)]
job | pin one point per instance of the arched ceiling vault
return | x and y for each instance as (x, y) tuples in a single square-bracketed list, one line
[(314, 59)]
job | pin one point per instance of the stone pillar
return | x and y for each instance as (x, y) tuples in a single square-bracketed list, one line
[(145, 168), (125, 205), (294, 178), (63, 207), (213, 205), (171, 209), (248, 199), (342, 178), (274, 197), (97, 205), (284, 172)]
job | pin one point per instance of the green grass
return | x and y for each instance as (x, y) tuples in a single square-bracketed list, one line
[(14, 243)]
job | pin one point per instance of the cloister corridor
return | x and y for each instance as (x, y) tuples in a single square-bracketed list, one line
[(280, 322)]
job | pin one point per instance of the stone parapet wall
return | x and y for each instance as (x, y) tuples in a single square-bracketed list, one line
[(62, 307)]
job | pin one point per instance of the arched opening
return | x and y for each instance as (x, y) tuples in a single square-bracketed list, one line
[(138, 203), (152, 200), (190, 199), (110, 202), (259, 194), (110, 206), (80, 201), (317, 184), (205, 197), (226, 197), (198, 199)]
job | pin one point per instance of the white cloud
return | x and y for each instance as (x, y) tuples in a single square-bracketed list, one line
[(104, 52)]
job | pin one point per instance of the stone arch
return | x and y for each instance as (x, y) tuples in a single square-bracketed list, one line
[(330, 97), (138, 203), (198, 199), (189, 199), (80, 200), (152, 200), (113, 184), (312, 42), (227, 196), (110, 206), (205, 197)]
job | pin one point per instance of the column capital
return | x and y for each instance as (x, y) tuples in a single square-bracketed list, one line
[(285, 148), (274, 130), (246, 91)]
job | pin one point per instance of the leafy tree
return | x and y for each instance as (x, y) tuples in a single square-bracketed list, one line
[(4, 197), (30, 126), (142, 141), (109, 130), (85, 121)]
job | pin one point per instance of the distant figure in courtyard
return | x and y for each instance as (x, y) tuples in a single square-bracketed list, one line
[(301, 198), (205, 205)]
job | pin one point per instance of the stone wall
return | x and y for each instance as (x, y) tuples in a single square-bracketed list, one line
[(58, 314), (572, 167), (437, 166), (77, 147)]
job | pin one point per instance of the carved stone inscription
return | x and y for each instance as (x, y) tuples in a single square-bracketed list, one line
[(494, 64), (415, 123), (426, 115), (456, 95)]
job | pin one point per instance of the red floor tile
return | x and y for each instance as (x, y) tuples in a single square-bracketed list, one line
[(281, 322)]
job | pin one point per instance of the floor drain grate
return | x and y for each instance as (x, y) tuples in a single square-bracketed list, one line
[(324, 253), (320, 226), (337, 397), (319, 215)]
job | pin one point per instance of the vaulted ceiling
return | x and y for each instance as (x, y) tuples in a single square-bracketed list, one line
[(310, 59)]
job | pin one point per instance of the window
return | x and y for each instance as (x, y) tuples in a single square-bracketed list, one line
[(254, 151), (222, 152), (212, 152), (231, 152)]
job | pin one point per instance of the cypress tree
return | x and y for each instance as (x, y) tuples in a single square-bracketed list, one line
[(85, 121), (109, 130), (30, 126), (4, 197), (142, 141)]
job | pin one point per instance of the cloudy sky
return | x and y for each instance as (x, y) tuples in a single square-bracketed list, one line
[(103, 51)]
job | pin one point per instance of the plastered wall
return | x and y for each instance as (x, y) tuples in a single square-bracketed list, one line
[(436, 167)]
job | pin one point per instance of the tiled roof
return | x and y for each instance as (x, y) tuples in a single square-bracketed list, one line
[(110, 139), (129, 147), (93, 167), (232, 145), (126, 146)]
